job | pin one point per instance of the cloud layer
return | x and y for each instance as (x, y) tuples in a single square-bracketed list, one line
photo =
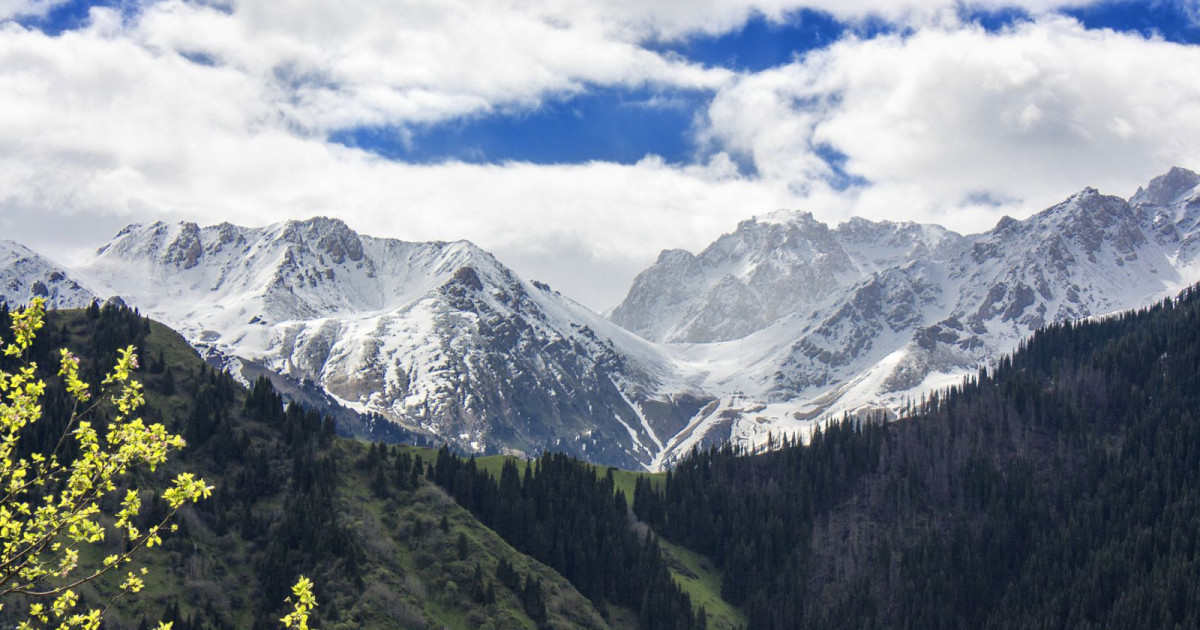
[(222, 111), (959, 121)]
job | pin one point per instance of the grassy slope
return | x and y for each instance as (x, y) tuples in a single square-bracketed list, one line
[(430, 567), (692, 571), (702, 582)]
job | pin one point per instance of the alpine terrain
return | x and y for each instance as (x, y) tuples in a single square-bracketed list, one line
[(25, 274), (787, 320), (775, 326), (438, 337)]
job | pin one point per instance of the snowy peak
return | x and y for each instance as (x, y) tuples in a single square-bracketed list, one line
[(294, 270), (177, 245), (880, 244), (25, 274), (1086, 223), (291, 270), (1173, 202), (902, 308), (326, 237), (783, 235), (438, 337), (743, 281), (783, 217), (1178, 186), (769, 268), (184, 244), (1089, 255)]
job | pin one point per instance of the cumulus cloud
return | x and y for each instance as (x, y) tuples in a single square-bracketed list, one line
[(638, 20), (961, 125), (27, 8), (381, 62), (220, 111), (100, 129)]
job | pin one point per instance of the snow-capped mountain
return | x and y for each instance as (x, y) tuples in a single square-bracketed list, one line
[(439, 337), (1173, 203), (768, 330), (769, 268), (25, 274), (860, 317)]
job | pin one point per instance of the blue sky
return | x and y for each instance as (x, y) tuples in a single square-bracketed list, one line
[(624, 125), (576, 140)]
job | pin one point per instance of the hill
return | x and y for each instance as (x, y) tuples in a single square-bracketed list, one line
[(293, 499)]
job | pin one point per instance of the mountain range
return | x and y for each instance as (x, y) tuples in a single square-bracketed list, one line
[(776, 325)]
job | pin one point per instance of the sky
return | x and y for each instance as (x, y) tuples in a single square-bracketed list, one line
[(576, 139)]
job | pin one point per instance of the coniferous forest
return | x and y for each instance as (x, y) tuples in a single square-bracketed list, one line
[(561, 513), (385, 547), (1059, 488)]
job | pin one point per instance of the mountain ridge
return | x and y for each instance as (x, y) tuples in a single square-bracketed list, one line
[(918, 317), (438, 337), (771, 328), (25, 274)]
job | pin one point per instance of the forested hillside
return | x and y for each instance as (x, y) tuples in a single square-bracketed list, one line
[(385, 547), (561, 513), (1061, 489)]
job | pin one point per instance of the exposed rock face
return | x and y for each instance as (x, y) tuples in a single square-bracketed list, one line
[(1177, 187), (661, 294)]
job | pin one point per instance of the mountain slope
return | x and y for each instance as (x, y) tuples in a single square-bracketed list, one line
[(439, 337), (1059, 489), (385, 547), (25, 274), (869, 315)]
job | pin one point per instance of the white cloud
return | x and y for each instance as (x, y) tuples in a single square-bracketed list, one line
[(27, 8), (638, 20), (336, 64), (113, 123), (941, 118), (98, 130)]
